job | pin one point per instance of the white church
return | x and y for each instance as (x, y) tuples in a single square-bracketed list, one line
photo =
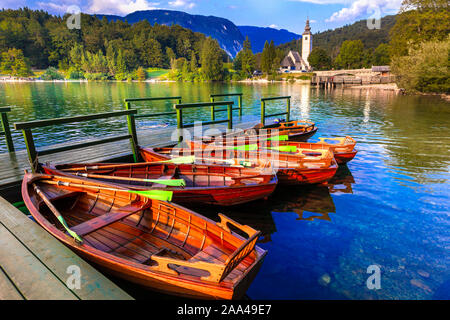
[(296, 62)]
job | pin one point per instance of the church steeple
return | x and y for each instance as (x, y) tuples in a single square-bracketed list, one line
[(306, 45), (307, 27)]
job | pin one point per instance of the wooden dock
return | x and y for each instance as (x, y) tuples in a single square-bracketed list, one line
[(36, 266)]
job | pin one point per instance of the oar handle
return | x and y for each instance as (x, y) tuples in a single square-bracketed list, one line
[(56, 213)]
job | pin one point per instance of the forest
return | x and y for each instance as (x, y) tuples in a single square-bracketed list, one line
[(100, 50), (415, 43)]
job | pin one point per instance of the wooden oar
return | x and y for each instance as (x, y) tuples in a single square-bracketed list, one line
[(167, 182), (56, 213), (151, 194)]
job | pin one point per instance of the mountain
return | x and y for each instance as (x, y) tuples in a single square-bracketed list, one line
[(259, 35), (331, 40), (223, 30)]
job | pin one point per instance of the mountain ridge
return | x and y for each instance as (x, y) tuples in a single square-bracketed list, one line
[(259, 35), (221, 29)]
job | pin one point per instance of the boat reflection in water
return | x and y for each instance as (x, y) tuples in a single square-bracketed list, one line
[(308, 202), (342, 181)]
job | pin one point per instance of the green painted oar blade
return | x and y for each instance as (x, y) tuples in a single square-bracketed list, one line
[(246, 147), (155, 194), (169, 182), (279, 138), (181, 160), (72, 233), (285, 148)]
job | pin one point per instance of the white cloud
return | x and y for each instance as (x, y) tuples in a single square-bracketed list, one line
[(273, 26), (359, 8), (120, 7), (181, 3)]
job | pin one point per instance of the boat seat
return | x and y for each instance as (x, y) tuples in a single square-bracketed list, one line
[(104, 220), (55, 198)]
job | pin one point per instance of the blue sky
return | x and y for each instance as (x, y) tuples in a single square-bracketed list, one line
[(287, 14)]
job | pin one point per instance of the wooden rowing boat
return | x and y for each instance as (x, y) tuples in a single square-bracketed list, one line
[(156, 244), (343, 148), (292, 169), (298, 130), (210, 184)]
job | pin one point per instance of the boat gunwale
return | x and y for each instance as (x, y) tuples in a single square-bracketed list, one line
[(139, 268)]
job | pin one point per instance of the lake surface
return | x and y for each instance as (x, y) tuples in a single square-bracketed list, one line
[(389, 207)]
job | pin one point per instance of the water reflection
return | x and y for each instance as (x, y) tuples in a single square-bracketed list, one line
[(390, 206)]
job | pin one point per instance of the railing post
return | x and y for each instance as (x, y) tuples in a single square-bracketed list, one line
[(127, 105), (179, 123), (230, 116), (213, 116), (132, 131), (240, 105), (288, 109), (7, 131), (263, 112), (31, 148)]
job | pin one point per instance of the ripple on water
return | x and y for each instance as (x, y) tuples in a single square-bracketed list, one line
[(390, 206)]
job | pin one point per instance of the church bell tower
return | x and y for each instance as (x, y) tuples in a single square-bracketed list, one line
[(306, 45)]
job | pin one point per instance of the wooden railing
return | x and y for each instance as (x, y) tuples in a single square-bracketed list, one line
[(128, 102), (263, 108), (180, 107), (214, 96), (33, 154), (5, 127)]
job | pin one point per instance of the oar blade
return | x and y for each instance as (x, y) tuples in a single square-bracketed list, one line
[(285, 148), (279, 138), (72, 233), (154, 194), (169, 182), (181, 160)]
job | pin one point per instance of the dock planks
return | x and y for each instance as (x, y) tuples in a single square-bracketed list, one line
[(33, 264)]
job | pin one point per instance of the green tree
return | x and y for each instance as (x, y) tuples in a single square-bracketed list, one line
[(269, 59), (426, 68), (141, 74), (153, 56), (245, 60), (319, 59), (419, 21), (381, 56), (171, 57), (13, 62), (52, 74), (351, 55), (194, 63), (211, 60)]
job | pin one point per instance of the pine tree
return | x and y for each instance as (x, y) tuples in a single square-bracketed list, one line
[(211, 60), (265, 58)]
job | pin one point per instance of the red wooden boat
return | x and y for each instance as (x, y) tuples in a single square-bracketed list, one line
[(202, 183), (343, 148), (298, 130), (292, 169), (156, 244)]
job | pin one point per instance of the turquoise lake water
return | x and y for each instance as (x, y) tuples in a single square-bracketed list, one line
[(389, 207)]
